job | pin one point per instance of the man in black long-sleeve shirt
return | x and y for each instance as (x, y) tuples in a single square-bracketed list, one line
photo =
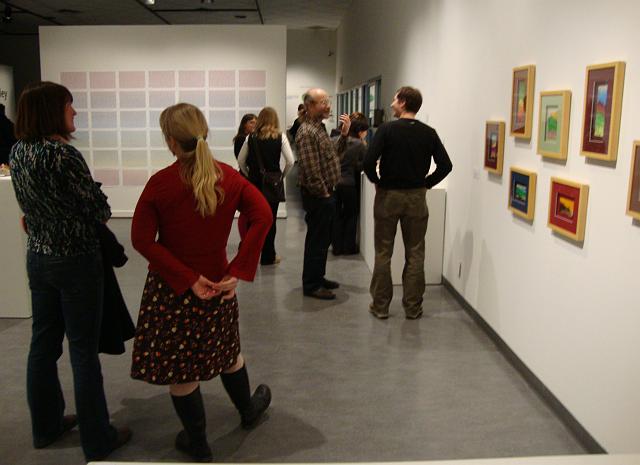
[(405, 148)]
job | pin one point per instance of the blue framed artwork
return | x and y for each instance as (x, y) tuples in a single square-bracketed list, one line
[(522, 193)]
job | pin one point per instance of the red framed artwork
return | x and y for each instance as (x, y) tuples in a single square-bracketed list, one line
[(568, 208), (522, 101), (602, 110), (494, 146), (633, 203)]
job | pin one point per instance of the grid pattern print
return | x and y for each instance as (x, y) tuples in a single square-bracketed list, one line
[(117, 125)]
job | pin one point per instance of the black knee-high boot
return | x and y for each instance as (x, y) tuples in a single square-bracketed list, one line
[(193, 439), (250, 407)]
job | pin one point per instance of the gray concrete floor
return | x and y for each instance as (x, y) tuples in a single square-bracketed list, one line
[(346, 386)]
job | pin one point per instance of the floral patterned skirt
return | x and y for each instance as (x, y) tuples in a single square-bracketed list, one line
[(180, 339)]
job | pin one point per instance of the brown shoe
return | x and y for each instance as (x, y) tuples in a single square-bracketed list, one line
[(321, 293), (378, 315)]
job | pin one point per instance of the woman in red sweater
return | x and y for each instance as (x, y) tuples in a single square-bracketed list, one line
[(187, 328)]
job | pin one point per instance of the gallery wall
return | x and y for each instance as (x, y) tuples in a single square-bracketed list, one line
[(311, 62), (122, 78), (569, 311)]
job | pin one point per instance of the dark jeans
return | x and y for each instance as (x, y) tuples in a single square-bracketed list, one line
[(66, 294), (345, 224), (269, 248), (319, 218)]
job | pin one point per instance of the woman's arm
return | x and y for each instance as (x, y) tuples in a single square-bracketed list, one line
[(242, 157), (287, 154)]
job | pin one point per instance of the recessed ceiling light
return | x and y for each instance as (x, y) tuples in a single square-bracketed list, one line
[(149, 2)]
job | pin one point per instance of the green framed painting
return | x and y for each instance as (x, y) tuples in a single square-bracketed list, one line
[(553, 124)]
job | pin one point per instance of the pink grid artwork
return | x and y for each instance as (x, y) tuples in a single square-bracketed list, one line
[(74, 80), (107, 177), (102, 80), (131, 79), (191, 78), (162, 79), (134, 177), (222, 78), (251, 78)]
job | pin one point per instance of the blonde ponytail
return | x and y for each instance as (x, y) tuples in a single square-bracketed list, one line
[(198, 168)]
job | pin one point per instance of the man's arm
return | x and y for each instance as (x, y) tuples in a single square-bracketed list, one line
[(309, 160), (372, 156), (443, 164)]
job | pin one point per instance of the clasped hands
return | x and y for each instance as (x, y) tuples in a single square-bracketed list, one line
[(206, 290)]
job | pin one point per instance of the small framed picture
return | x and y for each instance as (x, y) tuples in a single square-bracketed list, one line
[(522, 193), (553, 124), (602, 110), (494, 146), (568, 208), (633, 204), (522, 101)]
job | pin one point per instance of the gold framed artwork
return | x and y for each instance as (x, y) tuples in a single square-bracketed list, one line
[(494, 146), (602, 110), (522, 101), (633, 202), (553, 124), (522, 193), (568, 208)]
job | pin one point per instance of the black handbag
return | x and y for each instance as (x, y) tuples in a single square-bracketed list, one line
[(272, 181)]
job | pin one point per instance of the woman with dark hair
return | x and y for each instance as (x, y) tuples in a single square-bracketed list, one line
[(345, 225), (246, 127), (62, 207), (188, 323), (261, 153)]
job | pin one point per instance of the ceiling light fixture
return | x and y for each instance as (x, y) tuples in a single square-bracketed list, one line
[(7, 15), (149, 2)]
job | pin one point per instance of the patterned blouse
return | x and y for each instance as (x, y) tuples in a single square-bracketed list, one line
[(61, 202)]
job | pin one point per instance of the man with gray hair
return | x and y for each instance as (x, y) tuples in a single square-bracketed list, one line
[(319, 173)]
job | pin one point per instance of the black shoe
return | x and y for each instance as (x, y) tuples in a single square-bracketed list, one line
[(321, 293), (414, 317), (68, 423), (378, 315), (200, 452), (260, 401), (328, 284), (123, 436)]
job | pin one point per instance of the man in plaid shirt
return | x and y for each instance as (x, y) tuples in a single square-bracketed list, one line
[(319, 162)]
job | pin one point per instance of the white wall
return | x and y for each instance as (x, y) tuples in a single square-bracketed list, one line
[(311, 62), (7, 91), (570, 313), (171, 48)]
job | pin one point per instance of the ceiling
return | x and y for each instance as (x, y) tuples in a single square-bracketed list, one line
[(27, 15)]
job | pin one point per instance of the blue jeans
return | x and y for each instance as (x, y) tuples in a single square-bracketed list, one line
[(320, 213), (66, 294)]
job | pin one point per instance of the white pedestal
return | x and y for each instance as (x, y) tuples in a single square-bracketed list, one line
[(15, 297), (434, 248)]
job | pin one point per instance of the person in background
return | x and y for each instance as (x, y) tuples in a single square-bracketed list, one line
[(62, 207), (345, 226), (7, 137), (293, 130), (246, 127), (187, 329), (319, 173), (268, 143), (405, 148)]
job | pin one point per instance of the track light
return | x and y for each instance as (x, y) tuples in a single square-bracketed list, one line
[(6, 16), (149, 2)]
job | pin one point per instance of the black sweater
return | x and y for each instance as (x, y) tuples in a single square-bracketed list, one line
[(405, 148)]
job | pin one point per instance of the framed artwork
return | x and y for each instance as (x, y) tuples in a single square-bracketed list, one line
[(522, 193), (602, 109), (568, 208), (633, 204), (522, 101), (494, 146), (553, 124)]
